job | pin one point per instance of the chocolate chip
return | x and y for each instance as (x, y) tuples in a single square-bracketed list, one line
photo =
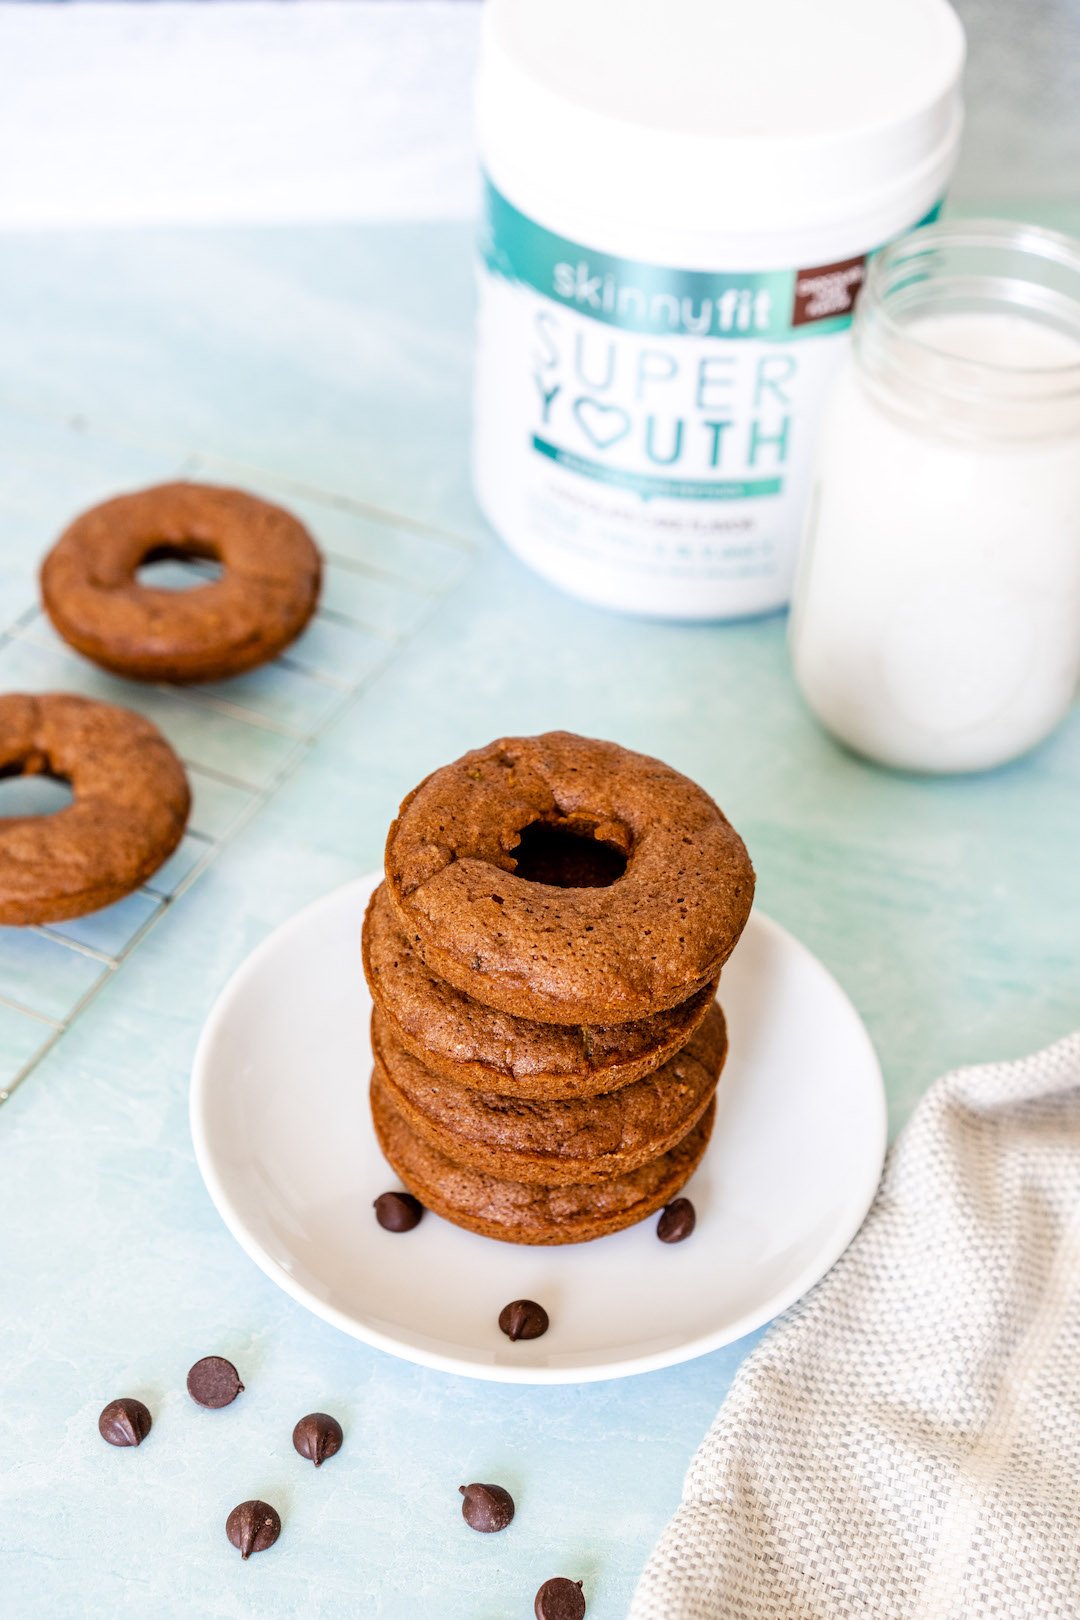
[(676, 1222), (523, 1319), (398, 1211), (317, 1437), (560, 1599), (253, 1526), (213, 1381), (124, 1422), (486, 1507)]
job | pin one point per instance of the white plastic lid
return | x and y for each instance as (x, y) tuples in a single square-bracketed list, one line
[(767, 114)]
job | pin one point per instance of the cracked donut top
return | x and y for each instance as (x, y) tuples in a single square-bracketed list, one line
[(568, 880)]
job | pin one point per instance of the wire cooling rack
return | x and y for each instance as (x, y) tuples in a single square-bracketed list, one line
[(239, 740)]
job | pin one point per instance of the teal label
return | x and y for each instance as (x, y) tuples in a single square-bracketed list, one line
[(657, 299), (647, 485), (693, 396)]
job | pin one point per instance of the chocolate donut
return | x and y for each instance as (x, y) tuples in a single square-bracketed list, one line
[(520, 1212), (578, 1139), (130, 806), (473, 1045), (568, 880), (267, 592)]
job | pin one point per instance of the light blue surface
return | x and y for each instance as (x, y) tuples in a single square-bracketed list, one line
[(330, 368)]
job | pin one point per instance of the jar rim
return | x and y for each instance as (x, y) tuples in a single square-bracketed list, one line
[(1035, 243)]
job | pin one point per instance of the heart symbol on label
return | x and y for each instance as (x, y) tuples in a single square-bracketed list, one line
[(605, 425)]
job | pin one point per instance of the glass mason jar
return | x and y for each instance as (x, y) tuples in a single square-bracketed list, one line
[(936, 617)]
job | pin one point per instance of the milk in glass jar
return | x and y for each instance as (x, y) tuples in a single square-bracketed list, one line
[(936, 622)]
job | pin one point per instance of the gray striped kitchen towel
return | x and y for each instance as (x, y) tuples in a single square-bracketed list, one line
[(905, 1443)]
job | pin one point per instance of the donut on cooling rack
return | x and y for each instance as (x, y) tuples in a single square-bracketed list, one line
[(129, 808), (267, 592)]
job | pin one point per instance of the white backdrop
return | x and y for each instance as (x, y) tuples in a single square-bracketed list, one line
[(247, 110), (267, 110)]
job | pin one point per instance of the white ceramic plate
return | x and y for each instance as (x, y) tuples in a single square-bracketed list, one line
[(283, 1138)]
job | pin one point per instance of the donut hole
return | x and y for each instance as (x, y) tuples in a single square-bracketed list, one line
[(26, 790), (179, 566), (567, 855)]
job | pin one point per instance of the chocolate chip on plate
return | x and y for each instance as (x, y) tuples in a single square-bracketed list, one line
[(523, 1319), (398, 1211), (486, 1507), (677, 1221), (253, 1527), (317, 1437), (124, 1422), (213, 1381), (560, 1599)]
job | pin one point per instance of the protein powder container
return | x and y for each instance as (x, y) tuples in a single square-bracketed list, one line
[(680, 198)]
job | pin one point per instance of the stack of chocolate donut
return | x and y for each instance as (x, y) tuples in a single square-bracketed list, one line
[(543, 959)]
